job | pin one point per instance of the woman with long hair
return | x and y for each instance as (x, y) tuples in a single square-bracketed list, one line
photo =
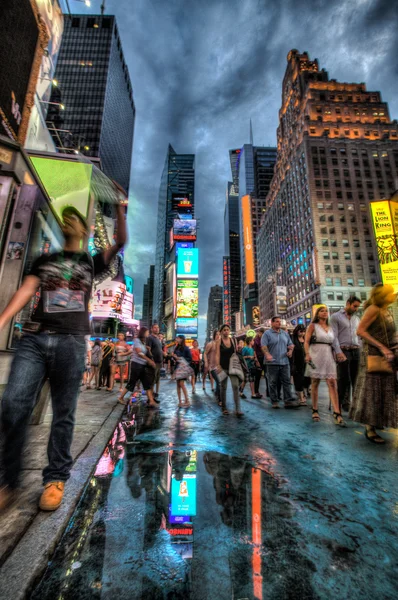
[(225, 348), (375, 401), (182, 355), (122, 352), (195, 353), (96, 356), (318, 346), (142, 368), (210, 365), (301, 382)]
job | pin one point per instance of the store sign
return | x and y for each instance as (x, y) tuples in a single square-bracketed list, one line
[(66, 182), (111, 300), (187, 302), (281, 300), (184, 230), (188, 262), (187, 327), (248, 239), (385, 224), (183, 495), (226, 290)]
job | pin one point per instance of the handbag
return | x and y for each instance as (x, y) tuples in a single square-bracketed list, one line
[(376, 363), (235, 367), (221, 376), (183, 370)]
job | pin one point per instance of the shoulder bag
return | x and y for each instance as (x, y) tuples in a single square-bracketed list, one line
[(378, 363), (235, 367)]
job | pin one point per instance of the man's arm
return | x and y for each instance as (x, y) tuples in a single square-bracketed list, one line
[(121, 236), (334, 323), (20, 299), (264, 348)]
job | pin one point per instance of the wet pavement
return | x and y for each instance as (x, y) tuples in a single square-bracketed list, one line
[(190, 504)]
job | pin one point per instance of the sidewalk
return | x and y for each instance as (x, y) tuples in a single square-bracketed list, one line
[(27, 535)]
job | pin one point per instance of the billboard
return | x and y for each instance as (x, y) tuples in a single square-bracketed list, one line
[(66, 182), (281, 300), (248, 239), (181, 202), (226, 275), (255, 315), (187, 326), (187, 301), (385, 224), (111, 300), (183, 495), (19, 34), (184, 229), (188, 283), (183, 245), (188, 262)]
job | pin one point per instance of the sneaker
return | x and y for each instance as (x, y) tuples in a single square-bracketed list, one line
[(7, 497), (292, 404), (52, 496)]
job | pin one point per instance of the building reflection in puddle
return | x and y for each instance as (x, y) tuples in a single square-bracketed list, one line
[(173, 524)]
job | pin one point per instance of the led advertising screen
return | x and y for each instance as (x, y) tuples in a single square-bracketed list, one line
[(187, 302), (66, 182), (385, 223), (188, 262), (184, 230), (183, 495), (187, 327), (188, 283), (248, 239), (110, 300), (183, 245), (227, 291), (181, 202)]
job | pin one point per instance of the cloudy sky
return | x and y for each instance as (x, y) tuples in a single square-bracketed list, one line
[(201, 69)]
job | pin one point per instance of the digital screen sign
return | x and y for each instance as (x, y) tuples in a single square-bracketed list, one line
[(183, 495), (181, 202), (188, 283), (184, 229), (183, 245), (385, 224), (111, 300), (226, 290), (186, 326), (248, 240), (187, 302), (188, 262)]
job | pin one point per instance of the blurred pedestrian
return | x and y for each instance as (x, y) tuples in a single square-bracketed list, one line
[(277, 348), (210, 367), (54, 346), (252, 363), (122, 353), (195, 354), (107, 365), (142, 368), (345, 324), (319, 344), (96, 356), (260, 360), (226, 347), (301, 382), (183, 372), (375, 402), (155, 344)]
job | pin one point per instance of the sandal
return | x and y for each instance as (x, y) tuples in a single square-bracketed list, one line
[(315, 415), (225, 412), (375, 439), (338, 419)]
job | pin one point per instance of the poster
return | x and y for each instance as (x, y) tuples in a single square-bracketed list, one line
[(187, 302), (385, 224)]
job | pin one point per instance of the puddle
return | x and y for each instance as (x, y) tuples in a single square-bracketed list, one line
[(178, 523)]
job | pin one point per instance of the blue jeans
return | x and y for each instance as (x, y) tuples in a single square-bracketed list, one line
[(279, 374), (61, 359)]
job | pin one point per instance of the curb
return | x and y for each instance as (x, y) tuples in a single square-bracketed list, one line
[(29, 559)]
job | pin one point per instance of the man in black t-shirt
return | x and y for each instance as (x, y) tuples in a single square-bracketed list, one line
[(53, 345)]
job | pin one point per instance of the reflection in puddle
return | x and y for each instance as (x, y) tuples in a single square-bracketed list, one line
[(177, 525)]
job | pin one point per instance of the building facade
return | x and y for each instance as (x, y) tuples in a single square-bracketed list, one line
[(95, 89), (337, 151), (147, 299), (177, 181), (214, 310)]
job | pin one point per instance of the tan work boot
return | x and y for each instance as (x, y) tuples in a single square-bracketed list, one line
[(52, 496), (7, 497)]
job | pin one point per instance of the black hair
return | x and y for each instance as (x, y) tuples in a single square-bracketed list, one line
[(182, 338), (297, 329), (97, 342), (353, 299), (141, 334), (248, 340), (275, 318), (72, 210), (224, 325), (215, 333)]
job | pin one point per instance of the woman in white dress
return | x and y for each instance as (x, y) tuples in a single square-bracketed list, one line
[(319, 345)]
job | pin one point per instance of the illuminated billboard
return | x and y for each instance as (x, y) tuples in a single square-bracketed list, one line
[(183, 495), (187, 283), (188, 327), (227, 291), (181, 202), (188, 262), (248, 239), (111, 300), (187, 301), (385, 224), (183, 245), (66, 182), (184, 230)]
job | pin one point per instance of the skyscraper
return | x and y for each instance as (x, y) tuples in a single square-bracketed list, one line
[(177, 186), (214, 310), (337, 150), (232, 250), (255, 166), (95, 88), (147, 300)]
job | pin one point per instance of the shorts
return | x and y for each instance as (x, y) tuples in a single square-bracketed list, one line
[(250, 375), (195, 366), (143, 373)]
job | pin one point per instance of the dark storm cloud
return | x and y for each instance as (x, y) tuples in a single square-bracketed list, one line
[(201, 69)]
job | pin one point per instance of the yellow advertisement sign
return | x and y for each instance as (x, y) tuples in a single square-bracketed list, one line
[(248, 240), (385, 224)]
